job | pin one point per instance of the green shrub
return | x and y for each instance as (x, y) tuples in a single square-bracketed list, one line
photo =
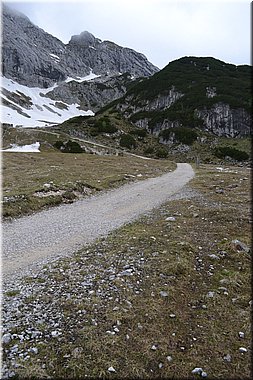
[(139, 132), (161, 153), (58, 144), (72, 147), (103, 125), (68, 147), (238, 155), (127, 141), (182, 134), (149, 150)]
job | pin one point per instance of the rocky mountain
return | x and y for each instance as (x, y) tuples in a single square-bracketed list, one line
[(46, 81), (32, 57), (192, 92)]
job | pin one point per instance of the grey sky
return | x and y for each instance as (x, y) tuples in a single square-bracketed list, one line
[(163, 30)]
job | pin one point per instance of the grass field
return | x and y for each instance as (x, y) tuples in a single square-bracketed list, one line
[(164, 296), (33, 181)]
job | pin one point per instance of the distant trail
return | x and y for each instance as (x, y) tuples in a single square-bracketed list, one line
[(92, 143), (67, 228)]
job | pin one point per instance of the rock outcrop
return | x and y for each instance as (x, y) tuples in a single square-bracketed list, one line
[(222, 120), (92, 94)]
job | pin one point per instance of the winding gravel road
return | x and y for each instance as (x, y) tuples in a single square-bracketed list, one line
[(67, 228)]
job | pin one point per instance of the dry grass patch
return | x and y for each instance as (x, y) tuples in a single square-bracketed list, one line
[(32, 181)]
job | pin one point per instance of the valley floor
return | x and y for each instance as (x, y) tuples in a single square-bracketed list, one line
[(166, 296)]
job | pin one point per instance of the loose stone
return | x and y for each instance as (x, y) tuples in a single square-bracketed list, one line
[(227, 358), (111, 369), (164, 294)]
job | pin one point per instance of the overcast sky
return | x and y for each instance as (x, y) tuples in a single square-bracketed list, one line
[(163, 30)]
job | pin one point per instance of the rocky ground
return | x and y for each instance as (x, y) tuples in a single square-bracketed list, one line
[(166, 296)]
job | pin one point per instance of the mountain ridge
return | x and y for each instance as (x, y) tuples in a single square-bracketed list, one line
[(33, 57)]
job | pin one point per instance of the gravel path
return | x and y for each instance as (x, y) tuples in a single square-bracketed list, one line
[(63, 230)]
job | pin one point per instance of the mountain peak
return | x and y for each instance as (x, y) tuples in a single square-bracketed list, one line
[(8, 11), (84, 39)]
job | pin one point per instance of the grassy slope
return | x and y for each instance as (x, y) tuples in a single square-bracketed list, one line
[(166, 256)]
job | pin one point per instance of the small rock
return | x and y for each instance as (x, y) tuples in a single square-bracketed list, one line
[(154, 347), (197, 370), (227, 358), (239, 246), (210, 294), (160, 365), (6, 338), (243, 349), (34, 350), (164, 294), (171, 219), (127, 272), (203, 374), (169, 358), (241, 334), (172, 315), (47, 186), (111, 369), (110, 332), (219, 191), (213, 256)]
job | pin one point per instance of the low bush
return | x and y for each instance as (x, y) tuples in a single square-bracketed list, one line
[(139, 132), (149, 150), (238, 155), (103, 125), (127, 141), (161, 153), (68, 147), (58, 144), (182, 134)]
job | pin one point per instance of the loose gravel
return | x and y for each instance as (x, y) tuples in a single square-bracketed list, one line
[(60, 231)]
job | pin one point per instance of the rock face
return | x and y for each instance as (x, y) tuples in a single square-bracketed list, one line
[(33, 57), (221, 120), (92, 94)]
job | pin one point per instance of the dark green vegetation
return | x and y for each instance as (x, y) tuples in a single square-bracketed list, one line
[(182, 135), (191, 76), (127, 141), (234, 153), (125, 322), (69, 147)]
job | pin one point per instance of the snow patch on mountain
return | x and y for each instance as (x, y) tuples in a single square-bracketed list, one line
[(32, 148), (86, 78), (30, 107)]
